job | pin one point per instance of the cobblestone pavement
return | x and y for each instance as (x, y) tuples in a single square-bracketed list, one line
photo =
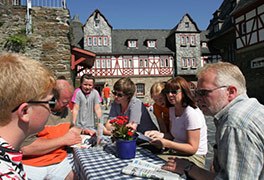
[(210, 135)]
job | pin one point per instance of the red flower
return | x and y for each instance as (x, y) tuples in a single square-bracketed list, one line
[(121, 130), (130, 133)]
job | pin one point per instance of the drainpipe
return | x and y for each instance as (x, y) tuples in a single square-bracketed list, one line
[(28, 18)]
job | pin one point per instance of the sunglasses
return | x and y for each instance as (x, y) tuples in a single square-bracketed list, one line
[(168, 91), (117, 94), (205, 92), (51, 103)]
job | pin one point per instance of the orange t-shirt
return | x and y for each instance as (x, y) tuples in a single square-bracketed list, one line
[(162, 115), (106, 92), (56, 126)]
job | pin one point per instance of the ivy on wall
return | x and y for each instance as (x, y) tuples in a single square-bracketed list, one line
[(17, 42)]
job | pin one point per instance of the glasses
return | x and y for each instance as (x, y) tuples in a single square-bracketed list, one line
[(172, 91), (205, 92), (117, 94), (51, 103)]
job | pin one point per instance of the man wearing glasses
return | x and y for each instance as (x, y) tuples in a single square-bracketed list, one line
[(25, 100), (239, 121), (45, 156)]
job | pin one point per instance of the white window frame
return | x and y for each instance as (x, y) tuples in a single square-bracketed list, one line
[(103, 63), (151, 43), (183, 40), (146, 63), (132, 43), (193, 63), (185, 62), (141, 63), (94, 41), (187, 25), (96, 23), (98, 64), (140, 89), (90, 41), (99, 41), (105, 41), (192, 40)]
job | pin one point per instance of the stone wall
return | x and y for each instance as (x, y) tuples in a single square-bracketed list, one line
[(48, 43)]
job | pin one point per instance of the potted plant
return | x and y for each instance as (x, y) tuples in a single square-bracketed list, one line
[(125, 138)]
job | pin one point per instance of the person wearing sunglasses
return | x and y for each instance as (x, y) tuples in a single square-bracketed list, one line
[(25, 99), (239, 120), (45, 153), (187, 125), (126, 104)]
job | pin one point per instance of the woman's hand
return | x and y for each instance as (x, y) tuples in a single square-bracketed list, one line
[(132, 125), (154, 134)]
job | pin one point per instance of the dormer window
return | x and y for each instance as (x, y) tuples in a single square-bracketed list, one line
[(132, 43), (151, 43)]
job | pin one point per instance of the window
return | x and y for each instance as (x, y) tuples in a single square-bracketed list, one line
[(140, 89), (100, 41), (183, 41), (105, 41), (94, 41), (204, 44), (166, 62), (194, 63), (16, 2), (187, 25), (141, 63), (108, 63), (97, 63), (192, 41), (103, 63), (185, 63), (130, 63), (146, 63), (151, 43), (90, 41), (96, 20), (242, 28), (132, 43)]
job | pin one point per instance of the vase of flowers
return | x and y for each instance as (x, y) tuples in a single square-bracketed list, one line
[(124, 137)]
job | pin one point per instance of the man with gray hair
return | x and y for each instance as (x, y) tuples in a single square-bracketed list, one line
[(239, 121)]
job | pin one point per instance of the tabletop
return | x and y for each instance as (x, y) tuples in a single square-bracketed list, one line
[(101, 163)]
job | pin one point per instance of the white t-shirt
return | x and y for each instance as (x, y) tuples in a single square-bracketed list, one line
[(190, 119)]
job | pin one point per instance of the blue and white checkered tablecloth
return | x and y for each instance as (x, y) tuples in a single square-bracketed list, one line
[(101, 163)]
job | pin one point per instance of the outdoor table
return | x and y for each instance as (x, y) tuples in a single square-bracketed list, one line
[(101, 163)]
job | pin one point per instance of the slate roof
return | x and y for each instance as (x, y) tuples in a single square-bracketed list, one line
[(242, 4), (120, 37)]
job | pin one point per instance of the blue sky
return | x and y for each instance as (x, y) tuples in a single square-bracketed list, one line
[(146, 14)]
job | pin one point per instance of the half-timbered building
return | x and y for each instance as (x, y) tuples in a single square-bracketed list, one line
[(145, 55), (236, 32)]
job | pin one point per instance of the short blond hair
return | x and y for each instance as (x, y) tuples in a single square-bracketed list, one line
[(156, 88), (21, 80)]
